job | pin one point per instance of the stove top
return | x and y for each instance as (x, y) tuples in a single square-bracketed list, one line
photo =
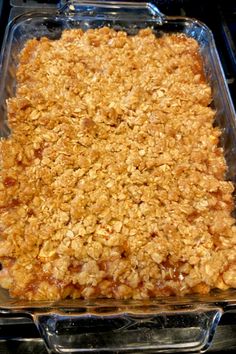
[(19, 335)]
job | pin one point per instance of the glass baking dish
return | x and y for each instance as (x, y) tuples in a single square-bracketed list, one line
[(170, 324)]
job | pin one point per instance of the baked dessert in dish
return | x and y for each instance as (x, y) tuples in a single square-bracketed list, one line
[(112, 182)]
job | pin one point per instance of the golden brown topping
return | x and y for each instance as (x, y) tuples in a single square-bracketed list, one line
[(112, 182)]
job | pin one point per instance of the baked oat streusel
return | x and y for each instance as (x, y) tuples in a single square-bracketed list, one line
[(112, 183)]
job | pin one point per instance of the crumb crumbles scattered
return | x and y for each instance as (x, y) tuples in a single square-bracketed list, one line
[(112, 182)]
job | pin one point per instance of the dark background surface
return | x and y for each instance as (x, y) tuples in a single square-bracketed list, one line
[(220, 16)]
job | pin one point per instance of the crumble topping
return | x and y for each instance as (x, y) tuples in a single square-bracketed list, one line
[(112, 182)]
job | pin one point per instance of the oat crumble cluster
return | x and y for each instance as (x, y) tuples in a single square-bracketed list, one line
[(112, 182)]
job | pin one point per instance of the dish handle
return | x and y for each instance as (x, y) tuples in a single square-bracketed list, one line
[(186, 330), (145, 10)]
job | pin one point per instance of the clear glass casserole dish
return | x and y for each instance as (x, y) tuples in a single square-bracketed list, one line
[(162, 324)]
